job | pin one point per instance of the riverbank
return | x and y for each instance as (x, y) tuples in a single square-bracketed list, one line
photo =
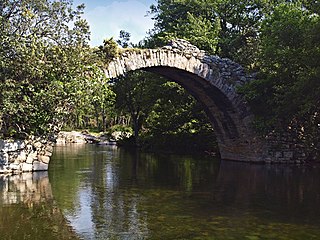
[(32, 154), (66, 137), (164, 144)]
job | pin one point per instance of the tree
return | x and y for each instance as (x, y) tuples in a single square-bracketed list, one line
[(286, 94), (95, 100), (45, 59), (177, 118), (124, 39), (136, 93), (184, 19), (228, 28)]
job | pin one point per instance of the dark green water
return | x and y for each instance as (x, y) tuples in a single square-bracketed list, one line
[(100, 192)]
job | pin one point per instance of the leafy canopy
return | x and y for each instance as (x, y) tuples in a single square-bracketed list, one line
[(44, 60)]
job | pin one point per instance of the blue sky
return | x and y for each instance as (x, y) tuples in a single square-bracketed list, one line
[(107, 17)]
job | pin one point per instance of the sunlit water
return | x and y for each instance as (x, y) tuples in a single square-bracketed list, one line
[(103, 192)]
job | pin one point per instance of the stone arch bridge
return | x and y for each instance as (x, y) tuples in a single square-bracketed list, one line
[(213, 82)]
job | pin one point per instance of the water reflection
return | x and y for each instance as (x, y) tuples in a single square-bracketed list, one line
[(27, 188), (288, 193), (130, 195), (27, 209), (108, 193), (114, 212)]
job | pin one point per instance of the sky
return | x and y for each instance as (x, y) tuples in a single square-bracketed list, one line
[(107, 17)]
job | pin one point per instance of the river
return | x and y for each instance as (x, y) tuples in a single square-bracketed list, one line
[(103, 192)]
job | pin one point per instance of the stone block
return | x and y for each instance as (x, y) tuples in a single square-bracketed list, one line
[(4, 157), (14, 167), (29, 147), (48, 153), (22, 156), (26, 167), (10, 146), (44, 159), (60, 141), (288, 155), (278, 154), (40, 166), (5, 169), (31, 157), (37, 145), (49, 148)]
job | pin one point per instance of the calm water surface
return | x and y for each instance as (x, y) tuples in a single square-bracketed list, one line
[(102, 192)]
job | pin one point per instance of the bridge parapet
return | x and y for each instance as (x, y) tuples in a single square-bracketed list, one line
[(222, 73)]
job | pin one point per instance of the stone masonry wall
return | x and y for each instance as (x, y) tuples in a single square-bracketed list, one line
[(25, 155), (285, 148)]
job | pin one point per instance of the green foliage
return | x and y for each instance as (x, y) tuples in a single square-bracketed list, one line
[(287, 90), (94, 99), (124, 39), (184, 19), (108, 51), (173, 112), (227, 28), (45, 65), (240, 24), (288, 57), (136, 94), (178, 123)]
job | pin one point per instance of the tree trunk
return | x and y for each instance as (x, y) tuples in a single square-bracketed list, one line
[(136, 130), (104, 122), (97, 119)]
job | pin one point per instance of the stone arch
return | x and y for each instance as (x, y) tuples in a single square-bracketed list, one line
[(212, 81)]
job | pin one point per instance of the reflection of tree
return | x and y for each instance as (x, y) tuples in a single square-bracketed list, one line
[(279, 189), (173, 171), (27, 209), (130, 194), (64, 175), (115, 213)]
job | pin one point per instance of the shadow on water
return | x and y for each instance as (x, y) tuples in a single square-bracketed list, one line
[(108, 193)]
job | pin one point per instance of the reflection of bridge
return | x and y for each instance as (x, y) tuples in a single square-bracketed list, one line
[(213, 82)]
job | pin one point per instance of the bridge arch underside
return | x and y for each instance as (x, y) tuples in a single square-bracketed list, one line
[(235, 138)]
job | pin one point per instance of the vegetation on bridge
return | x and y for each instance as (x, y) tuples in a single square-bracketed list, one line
[(49, 73)]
